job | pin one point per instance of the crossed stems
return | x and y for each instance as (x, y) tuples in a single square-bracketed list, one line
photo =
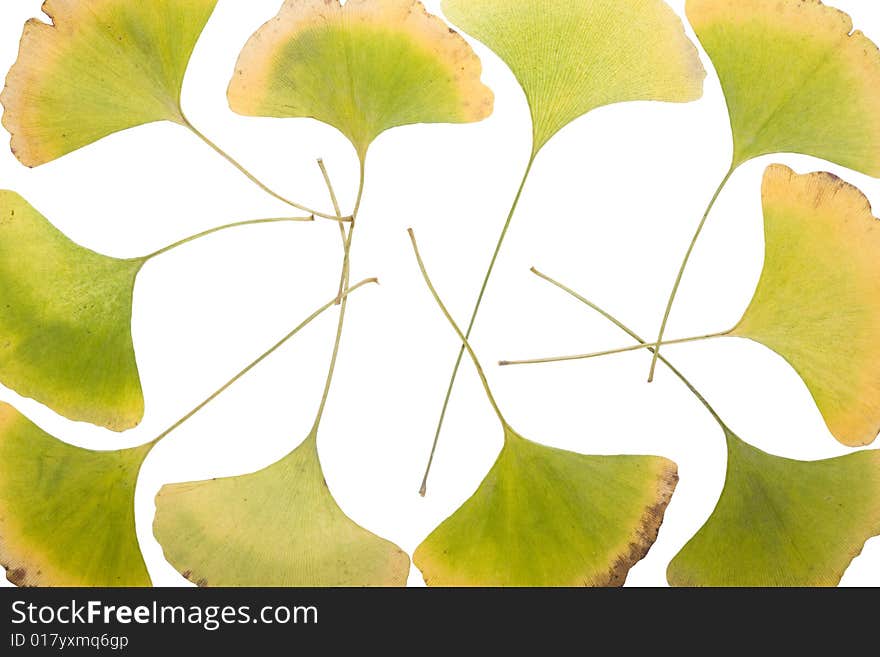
[(481, 372), (312, 214), (476, 311), (643, 344), (655, 347), (610, 352), (340, 299), (659, 342)]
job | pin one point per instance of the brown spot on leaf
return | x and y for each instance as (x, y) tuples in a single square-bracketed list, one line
[(17, 576), (647, 531)]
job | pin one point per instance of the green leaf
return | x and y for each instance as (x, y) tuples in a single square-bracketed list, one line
[(818, 301), (781, 522), (65, 321), (797, 78), (545, 517), (101, 67), (573, 57), (277, 527), (66, 514), (363, 68)]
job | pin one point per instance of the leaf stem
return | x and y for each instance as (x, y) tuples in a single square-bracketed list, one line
[(476, 311), (637, 338), (259, 183), (259, 360), (681, 271), (342, 299), (238, 224), (610, 352), (342, 233), (464, 340), (333, 198)]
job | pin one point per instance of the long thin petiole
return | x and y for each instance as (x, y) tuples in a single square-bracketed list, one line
[(333, 198), (346, 265), (259, 183), (342, 299), (637, 338), (342, 234), (424, 489), (238, 224), (681, 271), (464, 340), (609, 352), (259, 360)]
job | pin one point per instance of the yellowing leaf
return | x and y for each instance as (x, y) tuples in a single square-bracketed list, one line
[(65, 321), (101, 67), (277, 527), (781, 522), (363, 68), (796, 77), (572, 57), (818, 300), (545, 517), (66, 514)]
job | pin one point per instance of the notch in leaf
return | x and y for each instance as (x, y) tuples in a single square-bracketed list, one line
[(102, 66), (363, 67), (547, 517), (573, 57), (796, 77)]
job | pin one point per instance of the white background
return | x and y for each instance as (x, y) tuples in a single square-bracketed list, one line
[(611, 206)]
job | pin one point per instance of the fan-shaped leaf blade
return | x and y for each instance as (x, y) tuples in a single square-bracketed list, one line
[(102, 66), (545, 517), (363, 68), (277, 527), (65, 321)]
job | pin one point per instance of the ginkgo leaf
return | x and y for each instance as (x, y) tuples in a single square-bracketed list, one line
[(65, 321), (545, 517), (797, 78), (781, 522), (818, 300), (66, 513), (573, 57), (363, 68), (101, 67), (277, 527)]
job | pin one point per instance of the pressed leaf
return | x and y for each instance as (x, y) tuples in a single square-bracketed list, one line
[(797, 78), (818, 301), (781, 522), (66, 514), (363, 68), (277, 527), (65, 321), (573, 57), (101, 67), (545, 517)]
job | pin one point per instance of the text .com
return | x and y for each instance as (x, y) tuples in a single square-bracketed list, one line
[(210, 618)]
